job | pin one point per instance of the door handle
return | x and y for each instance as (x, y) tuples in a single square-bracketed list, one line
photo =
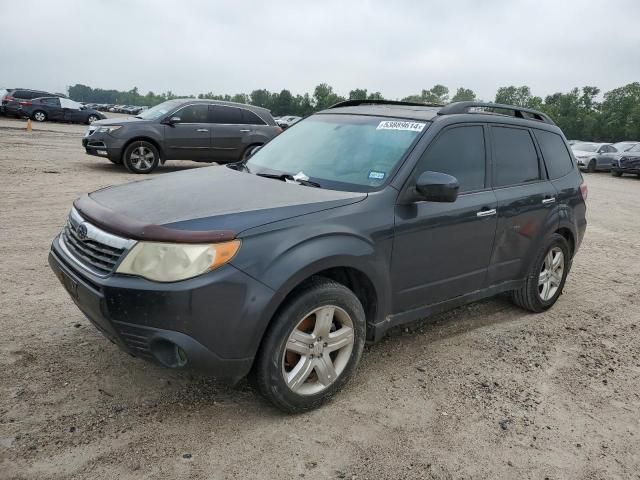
[(245, 130), (548, 201), (201, 130), (486, 213)]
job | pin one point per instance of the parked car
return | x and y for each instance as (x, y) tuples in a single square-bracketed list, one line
[(622, 147), (594, 156), (629, 162), (287, 121), (58, 109), (366, 216), (572, 142), (13, 97), (182, 129)]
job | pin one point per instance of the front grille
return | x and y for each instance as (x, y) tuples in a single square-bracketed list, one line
[(95, 249)]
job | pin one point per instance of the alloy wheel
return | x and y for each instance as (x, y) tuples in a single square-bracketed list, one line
[(142, 158), (551, 274), (318, 350), (39, 116)]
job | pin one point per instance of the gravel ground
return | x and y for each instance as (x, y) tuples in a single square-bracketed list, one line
[(484, 391)]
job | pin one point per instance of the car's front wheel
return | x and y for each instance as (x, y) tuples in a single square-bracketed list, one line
[(141, 157), (616, 174), (546, 276), (592, 166), (39, 116), (312, 347), (91, 119)]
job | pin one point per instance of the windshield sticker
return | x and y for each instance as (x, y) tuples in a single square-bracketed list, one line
[(374, 175), (396, 125)]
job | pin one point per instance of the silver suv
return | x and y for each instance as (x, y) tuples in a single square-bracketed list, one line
[(183, 129)]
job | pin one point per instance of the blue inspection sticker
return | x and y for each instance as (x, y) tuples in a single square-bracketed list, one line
[(375, 175)]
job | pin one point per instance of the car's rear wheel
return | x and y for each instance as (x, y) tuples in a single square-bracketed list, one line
[(39, 116), (592, 166), (246, 155), (312, 347), (546, 277), (616, 174), (141, 157), (91, 119)]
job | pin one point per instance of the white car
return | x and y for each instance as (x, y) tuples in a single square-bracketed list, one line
[(594, 156), (288, 120)]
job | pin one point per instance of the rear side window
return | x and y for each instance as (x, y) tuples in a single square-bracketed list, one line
[(251, 118), (54, 102), (555, 153), (193, 114), (515, 160), (459, 152), (226, 115)]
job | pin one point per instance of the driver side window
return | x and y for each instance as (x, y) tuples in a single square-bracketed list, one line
[(460, 152), (193, 114)]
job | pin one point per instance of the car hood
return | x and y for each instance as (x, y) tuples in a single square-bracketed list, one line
[(582, 153), (120, 121), (203, 205)]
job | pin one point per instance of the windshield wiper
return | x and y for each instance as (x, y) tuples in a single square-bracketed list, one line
[(290, 178)]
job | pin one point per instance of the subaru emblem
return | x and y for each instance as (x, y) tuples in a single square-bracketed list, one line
[(82, 231)]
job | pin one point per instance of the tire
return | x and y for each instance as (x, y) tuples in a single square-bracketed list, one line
[(141, 157), (592, 166), (317, 381), (248, 151), (532, 295), (91, 119), (39, 116), (616, 174)]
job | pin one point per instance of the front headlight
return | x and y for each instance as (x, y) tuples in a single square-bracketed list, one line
[(109, 129), (171, 262)]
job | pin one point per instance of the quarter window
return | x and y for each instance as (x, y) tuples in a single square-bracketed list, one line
[(226, 115), (555, 153), (193, 114), (459, 152), (515, 159), (251, 118)]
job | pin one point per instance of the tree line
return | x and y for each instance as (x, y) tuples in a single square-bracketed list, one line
[(578, 112)]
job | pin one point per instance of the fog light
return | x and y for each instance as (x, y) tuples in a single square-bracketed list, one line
[(169, 354)]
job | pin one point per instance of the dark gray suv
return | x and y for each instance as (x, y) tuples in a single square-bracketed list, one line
[(360, 218), (184, 129)]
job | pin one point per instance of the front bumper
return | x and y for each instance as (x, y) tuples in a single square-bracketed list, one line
[(103, 145), (207, 323)]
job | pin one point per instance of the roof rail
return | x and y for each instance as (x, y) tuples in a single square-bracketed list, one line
[(355, 103), (463, 107)]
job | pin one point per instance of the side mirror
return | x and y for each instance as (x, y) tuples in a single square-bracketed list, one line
[(173, 120), (437, 187)]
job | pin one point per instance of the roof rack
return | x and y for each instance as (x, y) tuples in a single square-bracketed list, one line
[(519, 112), (355, 103)]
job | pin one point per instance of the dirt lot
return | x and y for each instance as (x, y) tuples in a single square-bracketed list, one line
[(485, 391)]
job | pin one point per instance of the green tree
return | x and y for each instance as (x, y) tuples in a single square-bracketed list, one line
[(324, 97), (518, 96), (463, 95), (358, 94)]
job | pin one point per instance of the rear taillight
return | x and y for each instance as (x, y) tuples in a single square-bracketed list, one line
[(584, 191), (26, 104), (279, 130), (8, 98)]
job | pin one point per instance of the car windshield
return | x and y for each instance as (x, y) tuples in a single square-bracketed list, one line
[(159, 110), (585, 147), (635, 148), (340, 152), (624, 146)]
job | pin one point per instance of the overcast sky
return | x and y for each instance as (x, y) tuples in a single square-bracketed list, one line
[(395, 47)]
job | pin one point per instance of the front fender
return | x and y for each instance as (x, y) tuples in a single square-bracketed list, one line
[(291, 263)]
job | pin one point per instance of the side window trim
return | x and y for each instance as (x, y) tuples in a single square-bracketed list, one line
[(541, 169), (487, 183), (246, 110)]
